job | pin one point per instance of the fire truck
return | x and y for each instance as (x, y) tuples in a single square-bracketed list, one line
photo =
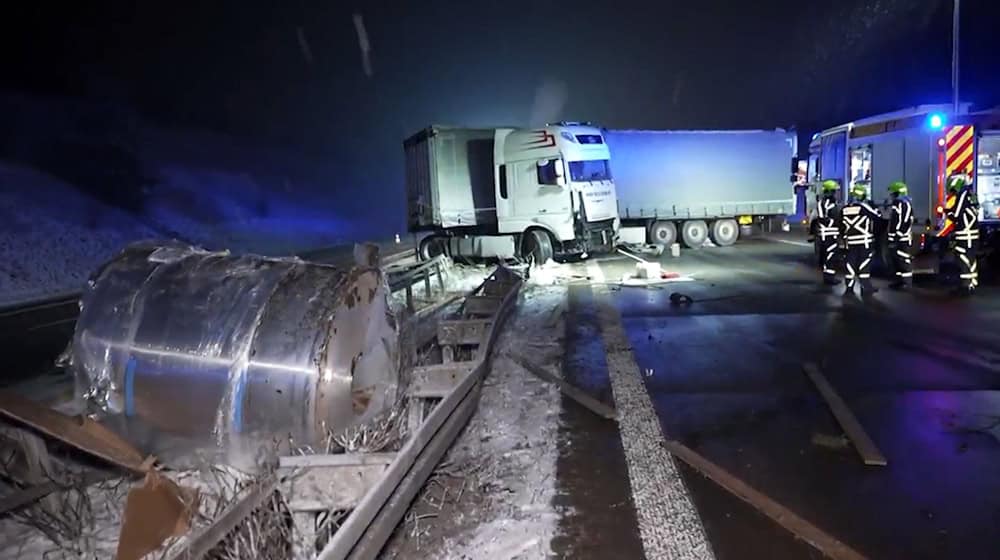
[(921, 146)]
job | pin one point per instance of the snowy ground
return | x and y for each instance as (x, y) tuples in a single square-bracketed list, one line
[(52, 236), (492, 495)]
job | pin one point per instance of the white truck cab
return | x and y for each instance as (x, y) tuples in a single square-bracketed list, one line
[(549, 191)]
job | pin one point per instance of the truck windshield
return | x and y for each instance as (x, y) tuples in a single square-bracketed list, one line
[(593, 170)]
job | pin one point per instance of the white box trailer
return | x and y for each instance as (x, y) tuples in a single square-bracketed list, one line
[(702, 183), (509, 192)]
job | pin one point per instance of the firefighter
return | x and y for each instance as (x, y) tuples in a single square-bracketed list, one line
[(857, 229), (964, 215), (899, 237), (826, 232)]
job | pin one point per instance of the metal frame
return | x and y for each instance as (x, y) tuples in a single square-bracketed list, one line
[(401, 278), (383, 504)]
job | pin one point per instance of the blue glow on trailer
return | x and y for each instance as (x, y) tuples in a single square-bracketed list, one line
[(935, 121)]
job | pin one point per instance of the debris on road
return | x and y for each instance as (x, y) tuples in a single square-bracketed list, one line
[(155, 511), (581, 397), (677, 298), (831, 442), (79, 432), (825, 543), (869, 452)]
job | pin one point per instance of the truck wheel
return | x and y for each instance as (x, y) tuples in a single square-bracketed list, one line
[(432, 246), (694, 233), (536, 245), (663, 233), (725, 232)]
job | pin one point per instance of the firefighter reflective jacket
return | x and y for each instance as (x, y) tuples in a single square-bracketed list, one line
[(964, 214), (857, 223), (900, 220), (826, 218)]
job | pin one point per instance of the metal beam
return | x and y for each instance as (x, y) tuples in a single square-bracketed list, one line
[(362, 521), (336, 460)]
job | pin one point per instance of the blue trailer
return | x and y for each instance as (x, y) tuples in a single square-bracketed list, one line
[(702, 184)]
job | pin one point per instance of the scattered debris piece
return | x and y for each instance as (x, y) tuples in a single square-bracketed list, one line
[(648, 270), (155, 511), (865, 446), (677, 298), (832, 442), (582, 398), (781, 515), (79, 432)]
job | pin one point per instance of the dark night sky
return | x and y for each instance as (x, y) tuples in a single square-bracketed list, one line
[(704, 64)]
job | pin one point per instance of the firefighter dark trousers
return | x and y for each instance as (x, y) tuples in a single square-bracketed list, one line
[(828, 258), (968, 268), (859, 262), (902, 263)]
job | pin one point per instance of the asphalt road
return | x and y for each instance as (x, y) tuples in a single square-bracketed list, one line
[(920, 370)]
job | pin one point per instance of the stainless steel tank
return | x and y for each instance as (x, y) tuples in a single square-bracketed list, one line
[(187, 350)]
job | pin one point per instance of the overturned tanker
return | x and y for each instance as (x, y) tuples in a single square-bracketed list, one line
[(186, 351)]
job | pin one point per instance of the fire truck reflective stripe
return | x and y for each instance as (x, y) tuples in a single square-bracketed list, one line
[(959, 151), (963, 137), (952, 133)]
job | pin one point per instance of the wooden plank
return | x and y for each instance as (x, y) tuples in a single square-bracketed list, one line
[(781, 515), (865, 446), (582, 398), (481, 305), (437, 380), (462, 331), (79, 432), (335, 460)]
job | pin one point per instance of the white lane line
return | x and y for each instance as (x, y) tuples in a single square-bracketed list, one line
[(668, 521), (790, 242)]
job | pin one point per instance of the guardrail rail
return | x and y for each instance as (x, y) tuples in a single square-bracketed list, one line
[(347, 505)]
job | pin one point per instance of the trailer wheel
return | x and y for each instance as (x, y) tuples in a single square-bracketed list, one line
[(725, 232), (536, 246), (694, 233), (663, 233), (432, 246)]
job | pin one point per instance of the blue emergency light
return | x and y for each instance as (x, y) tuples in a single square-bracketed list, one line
[(935, 121)]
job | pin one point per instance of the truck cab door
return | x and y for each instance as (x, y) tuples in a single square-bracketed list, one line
[(535, 190)]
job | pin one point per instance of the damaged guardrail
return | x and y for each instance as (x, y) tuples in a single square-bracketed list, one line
[(347, 505)]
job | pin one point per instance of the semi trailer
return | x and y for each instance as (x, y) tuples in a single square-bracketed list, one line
[(920, 146), (533, 193), (700, 185)]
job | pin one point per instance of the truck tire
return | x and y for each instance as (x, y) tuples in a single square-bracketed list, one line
[(536, 246), (662, 232), (432, 246), (725, 232), (694, 233)]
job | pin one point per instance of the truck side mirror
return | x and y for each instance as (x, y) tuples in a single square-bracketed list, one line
[(560, 172)]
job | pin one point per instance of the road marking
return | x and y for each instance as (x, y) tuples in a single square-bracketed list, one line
[(668, 521), (789, 242), (778, 513)]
